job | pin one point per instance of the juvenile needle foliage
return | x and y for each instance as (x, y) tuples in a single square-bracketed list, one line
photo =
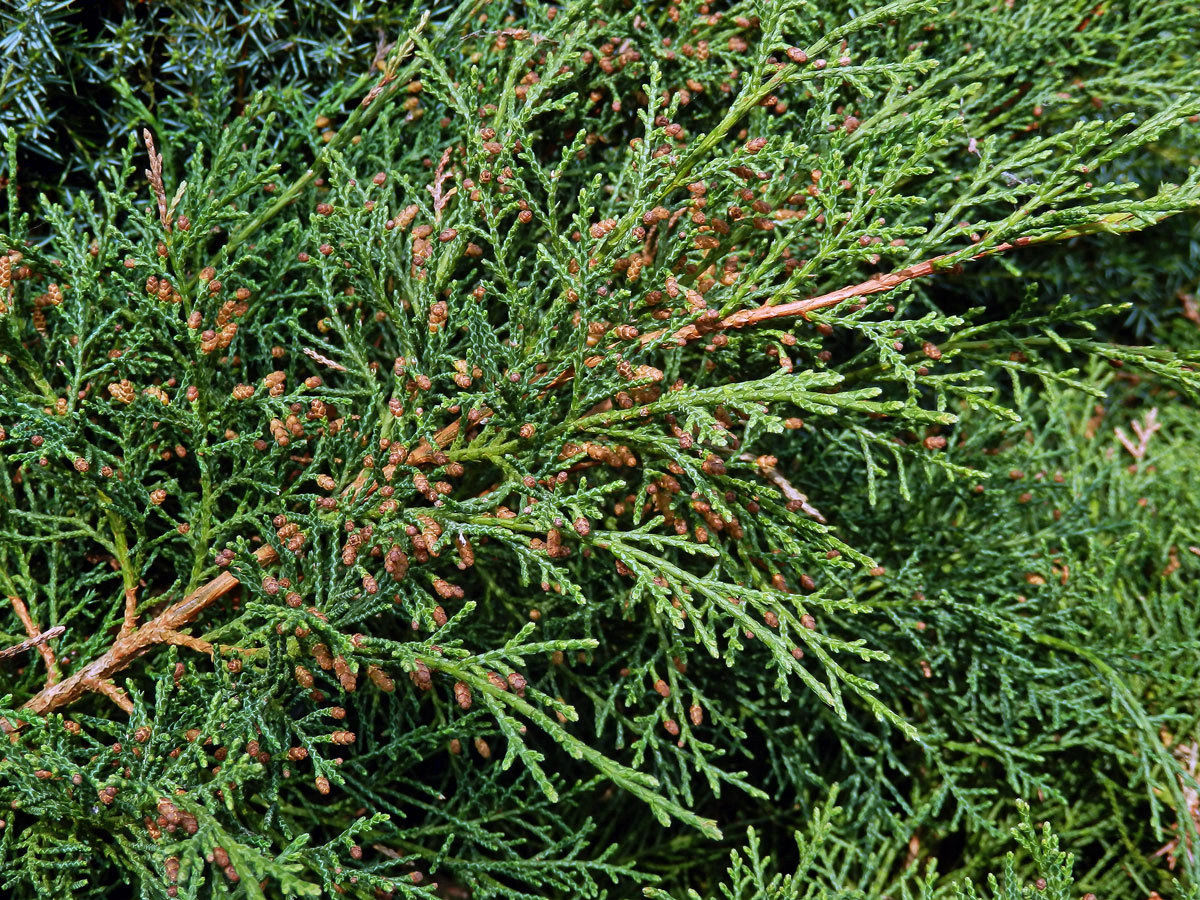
[(500, 450)]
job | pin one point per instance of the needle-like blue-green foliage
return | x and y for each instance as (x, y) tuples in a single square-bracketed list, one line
[(500, 450)]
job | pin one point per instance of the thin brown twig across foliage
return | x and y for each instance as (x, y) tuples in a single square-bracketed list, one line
[(36, 639), (876, 284)]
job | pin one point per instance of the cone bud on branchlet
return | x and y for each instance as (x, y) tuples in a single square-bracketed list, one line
[(381, 679), (421, 676), (320, 652), (462, 695), (122, 391)]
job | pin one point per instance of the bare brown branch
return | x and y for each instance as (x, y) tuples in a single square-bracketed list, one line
[(424, 452), (179, 639), (36, 639), (32, 642), (112, 692), (164, 628), (874, 285), (789, 491), (129, 622)]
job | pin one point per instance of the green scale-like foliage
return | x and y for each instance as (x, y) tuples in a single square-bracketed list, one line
[(499, 450)]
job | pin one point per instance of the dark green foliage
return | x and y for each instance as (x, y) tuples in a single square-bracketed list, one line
[(439, 475)]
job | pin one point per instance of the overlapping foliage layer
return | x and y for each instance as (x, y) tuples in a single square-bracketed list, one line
[(501, 450)]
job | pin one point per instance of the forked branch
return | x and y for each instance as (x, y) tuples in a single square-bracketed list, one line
[(130, 644)]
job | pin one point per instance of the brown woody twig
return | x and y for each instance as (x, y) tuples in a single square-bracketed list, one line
[(789, 491), (873, 285), (36, 639), (876, 284), (129, 645), (30, 643), (129, 620)]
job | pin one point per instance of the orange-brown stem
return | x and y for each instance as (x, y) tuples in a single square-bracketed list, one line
[(129, 645), (874, 285), (34, 632)]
